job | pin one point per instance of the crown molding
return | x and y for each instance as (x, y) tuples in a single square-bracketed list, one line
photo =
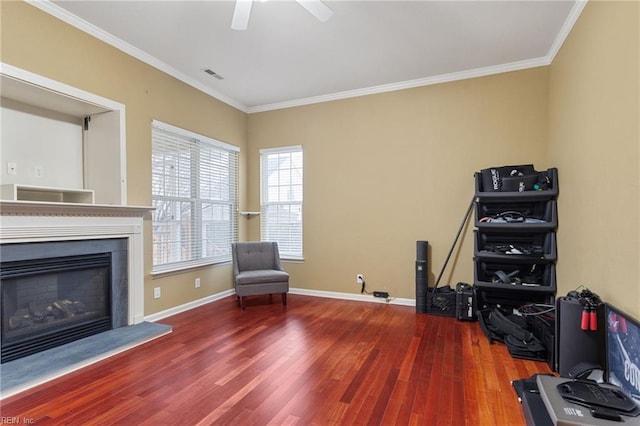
[(571, 20), (100, 34), (409, 84), (71, 19), (574, 14)]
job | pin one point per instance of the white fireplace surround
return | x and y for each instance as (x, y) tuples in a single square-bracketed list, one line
[(23, 222)]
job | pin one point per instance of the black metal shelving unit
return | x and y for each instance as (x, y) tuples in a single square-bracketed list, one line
[(522, 247)]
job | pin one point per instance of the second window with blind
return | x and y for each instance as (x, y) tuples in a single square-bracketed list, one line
[(281, 199)]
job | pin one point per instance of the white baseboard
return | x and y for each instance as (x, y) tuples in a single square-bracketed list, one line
[(187, 306), (352, 296), (302, 291)]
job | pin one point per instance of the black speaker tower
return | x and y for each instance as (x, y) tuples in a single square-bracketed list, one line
[(422, 273)]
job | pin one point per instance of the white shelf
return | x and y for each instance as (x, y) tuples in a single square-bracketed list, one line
[(16, 192)]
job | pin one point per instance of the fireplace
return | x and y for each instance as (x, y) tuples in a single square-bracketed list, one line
[(55, 292), (50, 230)]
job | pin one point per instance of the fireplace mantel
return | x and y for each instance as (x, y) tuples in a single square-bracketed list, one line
[(41, 208), (29, 221)]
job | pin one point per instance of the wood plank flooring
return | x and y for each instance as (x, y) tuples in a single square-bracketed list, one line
[(316, 361)]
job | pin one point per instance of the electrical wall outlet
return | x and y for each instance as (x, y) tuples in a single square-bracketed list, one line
[(197, 282), (156, 293), (359, 278)]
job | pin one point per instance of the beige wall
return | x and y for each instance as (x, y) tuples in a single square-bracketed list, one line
[(594, 135), (385, 170), (40, 43)]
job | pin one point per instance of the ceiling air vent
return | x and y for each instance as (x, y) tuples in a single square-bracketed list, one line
[(213, 73)]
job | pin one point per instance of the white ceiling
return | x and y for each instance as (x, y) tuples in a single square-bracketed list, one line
[(287, 57)]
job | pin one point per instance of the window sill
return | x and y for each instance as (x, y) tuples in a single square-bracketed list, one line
[(292, 259), (183, 269)]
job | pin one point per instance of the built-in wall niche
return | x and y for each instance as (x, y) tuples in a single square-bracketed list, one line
[(60, 139)]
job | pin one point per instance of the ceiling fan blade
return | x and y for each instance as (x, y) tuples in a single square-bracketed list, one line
[(241, 15), (317, 9)]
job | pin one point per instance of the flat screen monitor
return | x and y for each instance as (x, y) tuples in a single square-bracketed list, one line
[(623, 351)]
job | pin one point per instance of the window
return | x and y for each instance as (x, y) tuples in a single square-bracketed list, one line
[(195, 195), (282, 199)]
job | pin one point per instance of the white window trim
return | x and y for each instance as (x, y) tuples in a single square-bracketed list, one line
[(284, 149), (289, 148), (189, 134)]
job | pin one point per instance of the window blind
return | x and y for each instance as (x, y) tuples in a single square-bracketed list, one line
[(281, 199), (195, 195)]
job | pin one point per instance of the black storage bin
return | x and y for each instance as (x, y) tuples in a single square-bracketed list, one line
[(486, 271), (491, 296), (546, 194), (504, 247), (547, 211)]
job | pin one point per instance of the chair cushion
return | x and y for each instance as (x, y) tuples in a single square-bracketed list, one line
[(261, 276)]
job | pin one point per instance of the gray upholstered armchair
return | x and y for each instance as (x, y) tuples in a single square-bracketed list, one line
[(257, 270)]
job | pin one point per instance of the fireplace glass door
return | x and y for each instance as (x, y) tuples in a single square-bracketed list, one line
[(52, 301)]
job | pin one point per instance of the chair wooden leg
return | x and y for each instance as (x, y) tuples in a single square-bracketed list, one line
[(241, 303), (270, 298), (284, 299)]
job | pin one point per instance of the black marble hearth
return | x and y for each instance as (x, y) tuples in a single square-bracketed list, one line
[(24, 373)]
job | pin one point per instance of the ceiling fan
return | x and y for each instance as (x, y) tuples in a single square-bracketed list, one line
[(242, 11)]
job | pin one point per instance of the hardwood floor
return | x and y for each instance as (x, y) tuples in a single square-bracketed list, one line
[(316, 361)]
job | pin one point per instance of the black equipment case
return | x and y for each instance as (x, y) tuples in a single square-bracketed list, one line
[(465, 302)]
